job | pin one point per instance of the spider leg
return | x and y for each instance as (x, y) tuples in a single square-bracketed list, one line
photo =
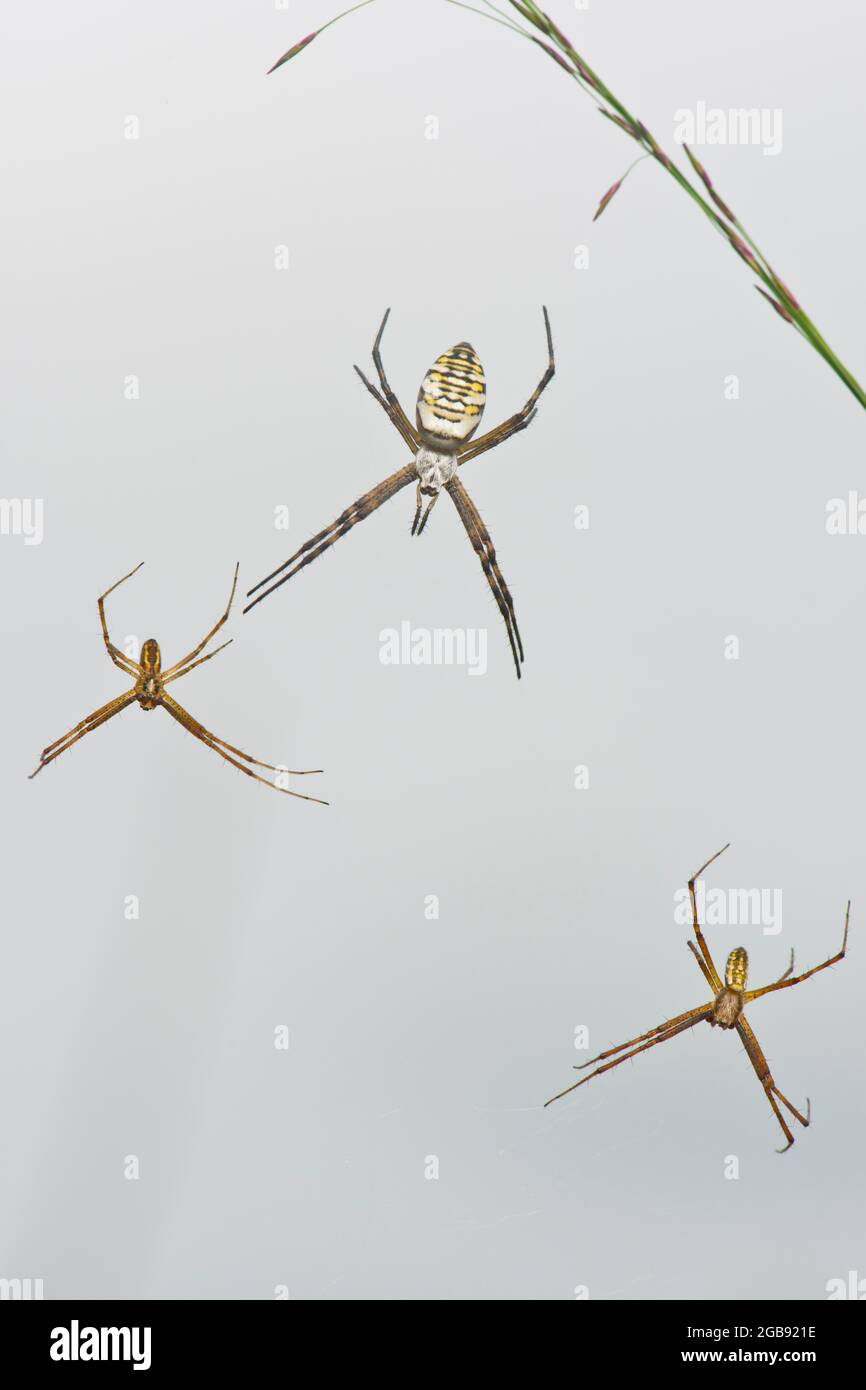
[(418, 505), (185, 670), (771, 1090), (192, 726), (662, 1028), (118, 657), (86, 726), (522, 418), (214, 630), (394, 412), (318, 544), (785, 982), (416, 527), (483, 547), (805, 1120), (663, 1033), (388, 399), (703, 965), (705, 950), (780, 1117), (496, 436), (272, 767)]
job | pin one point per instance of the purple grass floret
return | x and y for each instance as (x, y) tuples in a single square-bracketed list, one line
[(292, 52)]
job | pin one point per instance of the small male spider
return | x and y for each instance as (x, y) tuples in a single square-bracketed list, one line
[(448, 412), (725, 1011), (150, 692)]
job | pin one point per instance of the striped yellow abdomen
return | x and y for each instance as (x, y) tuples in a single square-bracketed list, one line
[(737, 969), (452, 396)]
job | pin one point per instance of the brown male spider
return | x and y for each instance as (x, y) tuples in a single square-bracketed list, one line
[(149, 690), (448, 412), (725, 1011)]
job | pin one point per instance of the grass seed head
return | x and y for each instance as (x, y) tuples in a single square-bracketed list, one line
[(292, 52), (708, 184), (779, 308), (557, 57), (606, 199)]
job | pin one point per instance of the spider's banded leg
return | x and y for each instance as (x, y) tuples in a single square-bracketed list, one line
[(786, 983), (423, 522), (118, 657), (214, 630), (491, 555), (418, 505), (522, 418), (185, 670), (483, 547), (705, 950), (688, 1020), (485, 442), (318, 544), (703, 966), (86, 726), (192, 726), (390, 402), (771, 1090), (394, 412)]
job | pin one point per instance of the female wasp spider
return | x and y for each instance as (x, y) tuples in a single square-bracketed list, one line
[(448, 412)]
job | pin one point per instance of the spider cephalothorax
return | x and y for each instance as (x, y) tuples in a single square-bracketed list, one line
[(150, 692), (725, 1011), (447, 414)]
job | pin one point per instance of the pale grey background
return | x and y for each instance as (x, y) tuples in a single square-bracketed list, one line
[(409, 1037)]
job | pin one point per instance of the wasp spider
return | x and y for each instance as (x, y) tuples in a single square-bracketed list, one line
[(150, 692), (725, 1010), (448, 412)]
